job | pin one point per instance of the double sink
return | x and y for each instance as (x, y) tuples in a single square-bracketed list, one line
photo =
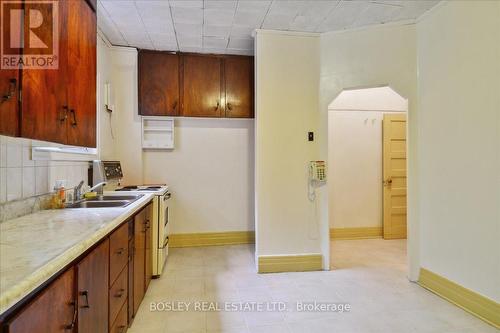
[(106, 201)]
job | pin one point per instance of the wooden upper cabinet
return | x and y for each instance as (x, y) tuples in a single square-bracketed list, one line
[(93, 281), (44, 95), (82, 44), (239, 83), (202, 86), (57, 105), (9, 102), (158, 83), (51, 311)]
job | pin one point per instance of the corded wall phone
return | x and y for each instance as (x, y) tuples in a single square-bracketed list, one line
[(317, 171)]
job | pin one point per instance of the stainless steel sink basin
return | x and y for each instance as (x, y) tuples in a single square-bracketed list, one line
[(116, 197), (106, 201), (100, 204)]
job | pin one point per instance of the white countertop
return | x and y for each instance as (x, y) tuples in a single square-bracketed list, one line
[(35, 247)]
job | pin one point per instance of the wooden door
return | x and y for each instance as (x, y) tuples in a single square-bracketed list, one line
[(93, 274), (238, 74), (148, 240), (44, 95), (394, 160), (82, 43), (158, 83), (139, 258), (9, 102), (202, 86), (54, 310)]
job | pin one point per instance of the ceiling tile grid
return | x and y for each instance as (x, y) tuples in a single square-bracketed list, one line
[(227, 26)]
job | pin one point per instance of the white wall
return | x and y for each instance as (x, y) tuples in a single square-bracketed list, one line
[(355, 169), (210, 173), (355, 155), (287, 88), (381, 55), (459, 143)]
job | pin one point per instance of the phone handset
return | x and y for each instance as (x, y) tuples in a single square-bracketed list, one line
[(317, 171)]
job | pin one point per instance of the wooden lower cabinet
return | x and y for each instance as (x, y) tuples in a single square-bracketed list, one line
[(93, 275), (139, 259), (99, 293), (52, 311)]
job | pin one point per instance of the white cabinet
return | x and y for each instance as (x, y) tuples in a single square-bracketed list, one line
[(157, 133)]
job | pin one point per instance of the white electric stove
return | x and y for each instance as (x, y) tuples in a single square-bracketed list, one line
[(161, 212)]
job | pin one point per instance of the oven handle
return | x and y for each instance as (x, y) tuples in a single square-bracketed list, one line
[(167, 196), (165, 243)]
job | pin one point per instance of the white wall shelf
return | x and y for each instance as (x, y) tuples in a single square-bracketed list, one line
[(157, 133)]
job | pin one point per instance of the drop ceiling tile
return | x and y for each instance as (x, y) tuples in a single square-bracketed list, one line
[(162, 38), (214, 42), (240, 52), (218, 16), (278, 22), (288, 8), (190, 41), (226, 4), (187, 15), (413, 9), (186, 3), (216, 30), (343, 16), (165, 46), (249, 18), (242, 31), (110, 31), (253, 5), (191, 49), (188, 29), (377, 13), (241, 43)]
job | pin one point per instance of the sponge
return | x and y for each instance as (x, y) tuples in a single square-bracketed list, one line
[(89, 195)]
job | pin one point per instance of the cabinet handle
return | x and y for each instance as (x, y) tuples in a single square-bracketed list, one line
[(229, 106), (121, 329), (12, 90), (64, 114), (86, 294), (73, 322), (120, 251), (120, 293), (217, 107), (73, 123), (174, 107)]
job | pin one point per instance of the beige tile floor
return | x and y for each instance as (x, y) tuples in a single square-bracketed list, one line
[(368, 274)]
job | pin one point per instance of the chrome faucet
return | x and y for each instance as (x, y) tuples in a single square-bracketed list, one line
[(99, 187), (77, 191)]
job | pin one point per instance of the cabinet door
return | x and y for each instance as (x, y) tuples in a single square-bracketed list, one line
[(82, 32), (139, 258), (93, 273), (238, 74), (158, 83), (52, 311), (44, 96), (149, 252), (9, 102), (201, 88)]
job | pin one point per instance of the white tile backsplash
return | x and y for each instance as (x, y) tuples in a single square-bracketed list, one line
[(21, 177), (14, 183), (28, 182), (3, 184), (41, 180)]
